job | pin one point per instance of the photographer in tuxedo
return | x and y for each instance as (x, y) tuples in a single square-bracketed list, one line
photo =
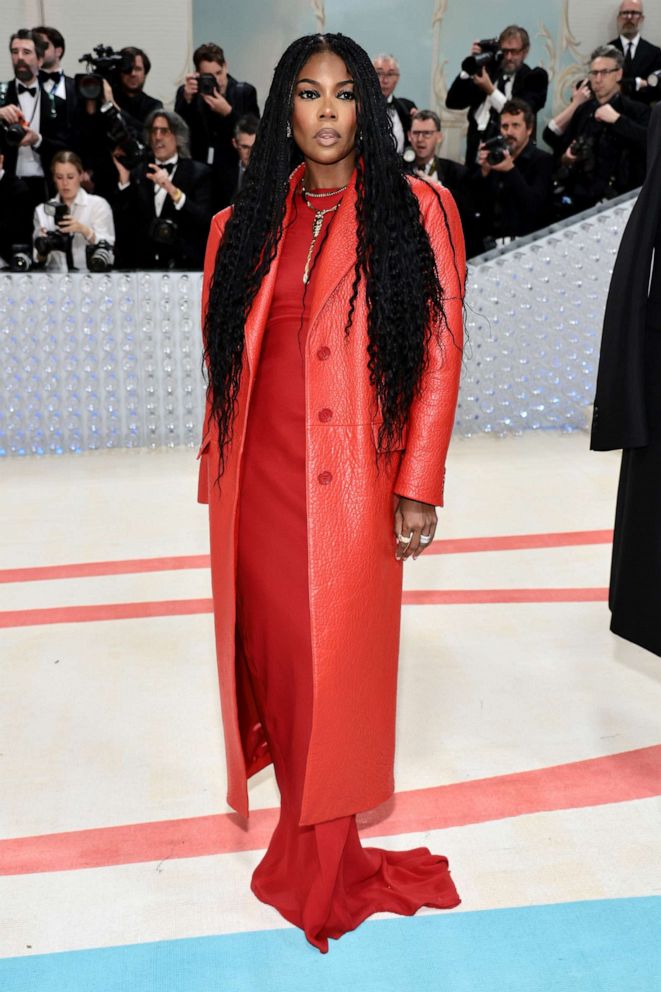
[(641, 58), (211, 102), (129, 87), (41, 116), (488, 80), (51, 75), (400, 110), (16, 214), (163, 209)]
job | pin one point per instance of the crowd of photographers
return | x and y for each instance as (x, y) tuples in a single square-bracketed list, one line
[(95, 173)]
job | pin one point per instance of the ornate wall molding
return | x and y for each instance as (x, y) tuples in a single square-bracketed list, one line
[(454, 121), (319, 8)]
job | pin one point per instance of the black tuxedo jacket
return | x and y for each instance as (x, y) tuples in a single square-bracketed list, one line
[(647, 60), (52, 126), (71, 98), (529, 84), (15, 215), (210, 130), (403, 108), (135, 215)]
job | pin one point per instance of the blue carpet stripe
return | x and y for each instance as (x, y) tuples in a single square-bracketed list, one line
[(598, 946)]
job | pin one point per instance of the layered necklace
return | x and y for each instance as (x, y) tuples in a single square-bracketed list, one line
[(317, 223)]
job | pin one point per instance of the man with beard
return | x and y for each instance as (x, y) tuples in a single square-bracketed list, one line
[(163, 210), (42, 116), (512, 185), (129, 92)]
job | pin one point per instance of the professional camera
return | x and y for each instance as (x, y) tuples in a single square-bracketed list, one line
[(21, 258), (489, 52), (164, 232), (207, 84), (11, 135), (53, 240), (497, 149), (582, 148), (100, 257), (103, 64), (133, 151)]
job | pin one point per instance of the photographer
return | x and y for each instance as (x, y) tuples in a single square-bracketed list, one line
[(494, 72), (128, 85), (513, 183), (16, 214), (642, 60), (51, 75), (33, 122), (211, 103), (163, 209), (63, 241), (600, 139)]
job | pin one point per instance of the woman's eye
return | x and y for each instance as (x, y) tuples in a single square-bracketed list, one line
[(346, 95), (307, 94)]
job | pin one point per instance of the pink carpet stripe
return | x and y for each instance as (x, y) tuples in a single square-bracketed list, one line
[(104, 611), (455, 597), (186, 607), (462, 545), (615, 778), (520, 542), (90, 569)]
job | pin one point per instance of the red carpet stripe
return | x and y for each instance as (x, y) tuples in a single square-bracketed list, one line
[(520, 542), (462, 545), (187, 607), (595, 782), (90, 569), (454, 597)]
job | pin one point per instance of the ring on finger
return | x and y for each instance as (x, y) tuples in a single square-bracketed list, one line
[(404, 540), (425, 538)]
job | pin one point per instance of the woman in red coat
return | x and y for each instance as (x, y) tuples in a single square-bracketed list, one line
[(333, 328)]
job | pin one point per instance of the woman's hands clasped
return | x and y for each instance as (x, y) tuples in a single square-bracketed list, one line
[(415, 526)]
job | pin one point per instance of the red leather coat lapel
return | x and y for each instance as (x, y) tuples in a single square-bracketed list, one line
[(338, 255)]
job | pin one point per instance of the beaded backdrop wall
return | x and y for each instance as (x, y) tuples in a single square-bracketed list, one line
[(114, 361)]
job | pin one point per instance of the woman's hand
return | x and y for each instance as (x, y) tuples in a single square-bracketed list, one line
[(417, 520), (68, 225)]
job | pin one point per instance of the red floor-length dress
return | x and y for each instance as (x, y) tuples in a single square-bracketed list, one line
[(318, 877)]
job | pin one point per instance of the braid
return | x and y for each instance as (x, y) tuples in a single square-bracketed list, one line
[(394, 258)]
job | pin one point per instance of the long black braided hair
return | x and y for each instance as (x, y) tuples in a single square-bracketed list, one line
[(394, 257)]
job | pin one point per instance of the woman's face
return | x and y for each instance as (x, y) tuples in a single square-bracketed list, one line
[(67, 180), (323, 118)]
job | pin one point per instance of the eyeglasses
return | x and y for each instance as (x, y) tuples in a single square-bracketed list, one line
[(511, 51), (160, 130), (633, 14), (390, 74), (596, 73), (424, 134)]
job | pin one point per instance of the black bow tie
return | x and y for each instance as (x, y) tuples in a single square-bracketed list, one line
[(55, 76), (169, 167), (32, 90)]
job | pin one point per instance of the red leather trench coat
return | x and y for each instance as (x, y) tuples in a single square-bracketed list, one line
[(355, 583)]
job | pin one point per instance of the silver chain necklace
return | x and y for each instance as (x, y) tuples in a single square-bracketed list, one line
[(317, 223)]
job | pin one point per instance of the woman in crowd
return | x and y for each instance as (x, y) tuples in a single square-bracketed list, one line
[(333, 331), (89, 219)]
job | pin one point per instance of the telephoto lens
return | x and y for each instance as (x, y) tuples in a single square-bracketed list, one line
[(21, 258), (100, 257)]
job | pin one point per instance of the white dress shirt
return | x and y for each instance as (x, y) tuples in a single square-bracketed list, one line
[(92, 211), (28, 163)]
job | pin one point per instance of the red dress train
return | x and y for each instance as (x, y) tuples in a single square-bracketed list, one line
[(318, 877)]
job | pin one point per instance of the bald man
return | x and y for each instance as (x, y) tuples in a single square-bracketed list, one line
[(641, 58)]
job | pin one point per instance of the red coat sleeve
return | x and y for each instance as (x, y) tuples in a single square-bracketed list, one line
[(215, 235), (421, 473)]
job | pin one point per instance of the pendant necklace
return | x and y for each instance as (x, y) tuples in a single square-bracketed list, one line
[(318, 221)]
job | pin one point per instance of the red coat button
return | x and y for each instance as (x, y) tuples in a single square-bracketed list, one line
[(325, 478), (325, 416), (323, 354)]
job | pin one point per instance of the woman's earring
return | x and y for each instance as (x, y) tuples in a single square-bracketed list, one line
[(288, 129)]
